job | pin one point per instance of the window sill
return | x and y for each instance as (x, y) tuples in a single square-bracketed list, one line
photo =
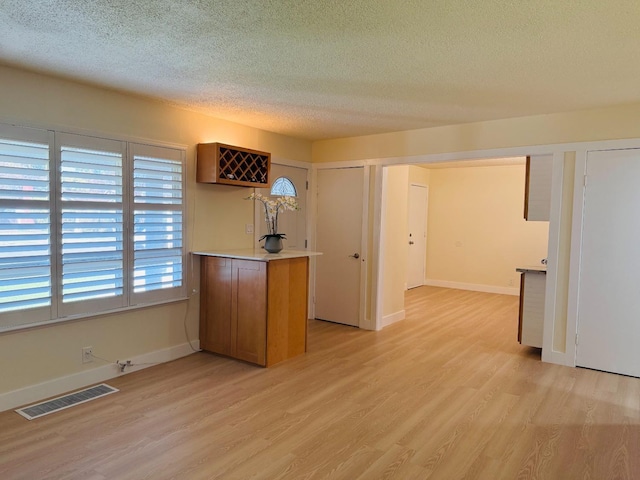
[(84, 316)]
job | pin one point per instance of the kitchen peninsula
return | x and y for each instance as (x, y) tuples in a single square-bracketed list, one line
[(253, 304)]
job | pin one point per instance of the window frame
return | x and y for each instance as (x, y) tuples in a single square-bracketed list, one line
[(56, 312)]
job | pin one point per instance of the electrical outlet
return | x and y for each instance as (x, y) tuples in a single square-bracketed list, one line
[(87, 354), (248, 228), (511, 282)]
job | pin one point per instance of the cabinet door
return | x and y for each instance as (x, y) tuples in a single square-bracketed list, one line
[(215, 305), (533, 293), (249, 311), (287, 308), (537, 201)]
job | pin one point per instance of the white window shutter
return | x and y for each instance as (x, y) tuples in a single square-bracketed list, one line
[(158, 224), (25, 233), (26, 290), (87, 226), (92, 256)]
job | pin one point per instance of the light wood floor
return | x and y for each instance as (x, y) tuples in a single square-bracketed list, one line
[(446, 394)]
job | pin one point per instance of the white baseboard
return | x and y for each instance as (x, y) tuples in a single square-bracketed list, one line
[(60, 385), (392, 318), (475, 287)]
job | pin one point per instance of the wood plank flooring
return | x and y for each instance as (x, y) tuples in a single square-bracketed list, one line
[(446, 394)]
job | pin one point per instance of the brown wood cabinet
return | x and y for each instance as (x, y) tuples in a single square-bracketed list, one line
[(230, 165), (254, 310)]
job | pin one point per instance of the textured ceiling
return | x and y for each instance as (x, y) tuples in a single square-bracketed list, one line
[(325, 69)]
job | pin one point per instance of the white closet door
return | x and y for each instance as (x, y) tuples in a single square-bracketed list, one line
[(609, 295), (339, 238)]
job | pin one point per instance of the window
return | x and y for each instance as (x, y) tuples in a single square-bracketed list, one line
[(283, 187), (25, 224), (157, 223), (91, 223), (87, 225)]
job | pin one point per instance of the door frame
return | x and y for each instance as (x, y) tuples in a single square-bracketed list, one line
[(563, 355), (258, 211), (576, 254), (363, 321)]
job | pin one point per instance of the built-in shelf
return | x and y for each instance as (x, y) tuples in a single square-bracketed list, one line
[(231, 165)]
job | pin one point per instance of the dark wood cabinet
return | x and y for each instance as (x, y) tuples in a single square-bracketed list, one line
[(254, 310)]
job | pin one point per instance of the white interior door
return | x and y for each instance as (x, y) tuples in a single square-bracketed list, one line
[(339, 238), (292, 223), (609, 291), (418, 198)]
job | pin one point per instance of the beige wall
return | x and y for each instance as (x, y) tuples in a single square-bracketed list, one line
[(581, 126), (216, 216), (396, 228), (395, 247), (419, 175), (476, 231)]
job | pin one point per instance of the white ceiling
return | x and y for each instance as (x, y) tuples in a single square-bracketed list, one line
[(336, 68)]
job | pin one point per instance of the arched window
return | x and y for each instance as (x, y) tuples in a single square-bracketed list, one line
[(283, 187)]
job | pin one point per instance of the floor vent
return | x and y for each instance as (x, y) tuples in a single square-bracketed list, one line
[(65, 401)]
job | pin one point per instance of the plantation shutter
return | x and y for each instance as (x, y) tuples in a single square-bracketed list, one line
[(87, 226), (25, 232), (158, 224), (92, 259)]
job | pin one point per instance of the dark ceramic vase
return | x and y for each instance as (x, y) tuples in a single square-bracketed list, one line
[(273, 243)]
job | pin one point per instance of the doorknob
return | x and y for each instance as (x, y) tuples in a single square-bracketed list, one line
[(355, 255), (410, 242)]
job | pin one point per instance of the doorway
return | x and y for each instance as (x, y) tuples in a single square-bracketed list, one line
[(476, 231)]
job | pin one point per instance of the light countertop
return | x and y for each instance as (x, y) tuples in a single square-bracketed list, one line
[(532, 269), (260, 255)]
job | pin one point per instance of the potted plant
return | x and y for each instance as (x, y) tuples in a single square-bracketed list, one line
[(272, 208)]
